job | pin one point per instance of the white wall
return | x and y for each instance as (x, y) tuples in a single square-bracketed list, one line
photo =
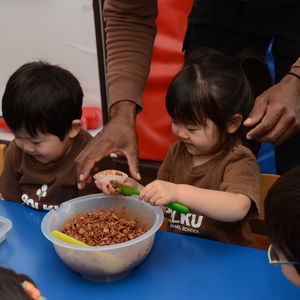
[(59, 31)]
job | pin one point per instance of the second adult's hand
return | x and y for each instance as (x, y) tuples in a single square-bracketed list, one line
[(275, 116)]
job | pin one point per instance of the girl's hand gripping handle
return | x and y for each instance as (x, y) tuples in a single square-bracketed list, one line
[(128, 190)]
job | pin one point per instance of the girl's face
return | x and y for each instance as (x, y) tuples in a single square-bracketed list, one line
[(199, 140), (45, 148)]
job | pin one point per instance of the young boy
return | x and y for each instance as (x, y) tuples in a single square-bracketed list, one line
[(282, 211), (42, 107)]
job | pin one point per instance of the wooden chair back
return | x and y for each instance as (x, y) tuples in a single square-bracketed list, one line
[(257, 223), (3, 148), (266, 181)]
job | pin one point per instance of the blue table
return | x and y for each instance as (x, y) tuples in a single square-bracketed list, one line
[(178, 267)]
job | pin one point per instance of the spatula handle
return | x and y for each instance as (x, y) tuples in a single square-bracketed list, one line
[(128, 190), (178, 207)]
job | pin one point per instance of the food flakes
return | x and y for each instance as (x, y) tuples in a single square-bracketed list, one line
[(102, 227)]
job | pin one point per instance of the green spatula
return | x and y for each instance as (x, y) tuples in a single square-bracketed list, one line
[(128, 190)]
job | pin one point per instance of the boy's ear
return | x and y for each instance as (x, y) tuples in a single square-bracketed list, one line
[(234, 123), (76, 125)]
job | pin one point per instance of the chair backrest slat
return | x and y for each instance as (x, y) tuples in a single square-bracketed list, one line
[(3, 148), (266, 181)]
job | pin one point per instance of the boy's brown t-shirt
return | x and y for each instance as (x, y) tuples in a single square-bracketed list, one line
[(236, 171), (45, 186)]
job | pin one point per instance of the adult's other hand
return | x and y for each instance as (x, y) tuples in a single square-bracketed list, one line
[(276, 113)]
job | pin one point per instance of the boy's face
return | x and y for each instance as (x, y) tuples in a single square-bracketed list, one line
[(45, 148), (289, 271)]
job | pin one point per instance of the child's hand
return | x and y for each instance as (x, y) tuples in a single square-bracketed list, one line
[(105, 187), (159, 193), (133, 183)]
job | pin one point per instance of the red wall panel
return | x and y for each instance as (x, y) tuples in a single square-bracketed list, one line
[(153, 123)]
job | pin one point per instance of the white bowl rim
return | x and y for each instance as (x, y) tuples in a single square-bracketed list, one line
[(158, 211)]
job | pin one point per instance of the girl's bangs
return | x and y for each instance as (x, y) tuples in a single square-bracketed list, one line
[(184, 104)]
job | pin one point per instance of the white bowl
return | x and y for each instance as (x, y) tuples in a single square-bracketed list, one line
[(104, 263)]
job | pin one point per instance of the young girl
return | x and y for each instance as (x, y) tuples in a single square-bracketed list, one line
[(210, 169)]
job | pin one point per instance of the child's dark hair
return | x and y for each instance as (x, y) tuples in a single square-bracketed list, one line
[(214, 86), (42, 97), (11, 285), (282, 211)]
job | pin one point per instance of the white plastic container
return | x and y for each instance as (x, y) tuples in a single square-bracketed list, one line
[(104, 263), (5, 226)]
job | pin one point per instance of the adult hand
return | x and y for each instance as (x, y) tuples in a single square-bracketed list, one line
[(276, 113), (118, 136)]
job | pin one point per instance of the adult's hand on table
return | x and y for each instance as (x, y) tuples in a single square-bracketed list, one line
[(118, 136), (276, 113)]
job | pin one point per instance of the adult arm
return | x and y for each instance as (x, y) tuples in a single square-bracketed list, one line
[(276, 112), (130, 33)]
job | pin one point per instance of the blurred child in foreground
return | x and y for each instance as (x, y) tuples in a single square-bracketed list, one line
[(14, 286), (282, 222), (42, 106)]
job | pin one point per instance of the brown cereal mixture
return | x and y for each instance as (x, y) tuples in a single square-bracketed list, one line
[(102, 227)]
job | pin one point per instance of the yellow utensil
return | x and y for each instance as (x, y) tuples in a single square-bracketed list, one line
[(113, 261), (68, 239)]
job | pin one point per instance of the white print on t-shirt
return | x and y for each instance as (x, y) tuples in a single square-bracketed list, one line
[(41, 192), (185, 229), (179, 220)]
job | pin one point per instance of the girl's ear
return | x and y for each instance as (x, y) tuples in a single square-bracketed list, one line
[(234, 123), (76, 125)]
